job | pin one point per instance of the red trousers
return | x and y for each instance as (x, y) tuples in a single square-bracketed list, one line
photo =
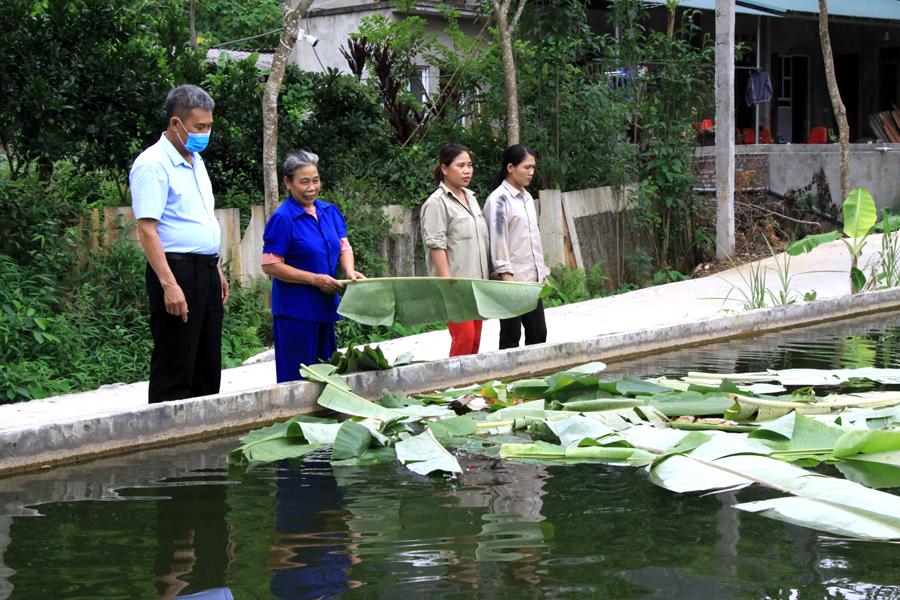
[(465, 337)]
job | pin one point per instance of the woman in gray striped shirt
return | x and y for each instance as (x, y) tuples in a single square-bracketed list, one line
[(515, 241)]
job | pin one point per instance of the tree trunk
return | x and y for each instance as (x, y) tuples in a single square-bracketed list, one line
[(192, 23), (840, 113), (672, 8), (724, 129), (509, 79), (288, 40), (507, 27)]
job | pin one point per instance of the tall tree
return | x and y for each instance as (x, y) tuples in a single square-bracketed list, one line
[(286, 44), (840, 112), (192, 23), (507, 26)]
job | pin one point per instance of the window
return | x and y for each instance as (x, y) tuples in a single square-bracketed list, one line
[(418, 84)]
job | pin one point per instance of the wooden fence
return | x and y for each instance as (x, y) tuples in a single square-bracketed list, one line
[(583, 227), (578, 229)]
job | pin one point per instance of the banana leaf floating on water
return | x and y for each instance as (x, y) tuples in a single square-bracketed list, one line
[(577, 417), (412, 301)]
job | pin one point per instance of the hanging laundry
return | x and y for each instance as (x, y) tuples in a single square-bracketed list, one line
[(759, 88)]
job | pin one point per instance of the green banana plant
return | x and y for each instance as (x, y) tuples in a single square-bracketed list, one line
[(860, 216)]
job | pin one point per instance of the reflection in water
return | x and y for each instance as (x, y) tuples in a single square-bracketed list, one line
[(5, 572), (427, 536), (500, 530), (309, 557), (191, 539)]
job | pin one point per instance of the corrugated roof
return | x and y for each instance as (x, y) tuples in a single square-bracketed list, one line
[(887, 10), (711, 5), (883, 10)]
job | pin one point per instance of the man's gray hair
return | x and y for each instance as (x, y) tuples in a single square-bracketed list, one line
[(298, 160), (182, 99)]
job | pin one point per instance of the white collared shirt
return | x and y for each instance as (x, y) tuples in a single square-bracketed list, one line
[(178, 194), (516, 246)]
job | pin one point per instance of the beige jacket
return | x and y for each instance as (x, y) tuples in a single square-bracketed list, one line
[(461, 231), (516, 246)]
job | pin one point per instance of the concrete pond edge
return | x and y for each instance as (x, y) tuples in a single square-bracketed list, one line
[(35, 447)]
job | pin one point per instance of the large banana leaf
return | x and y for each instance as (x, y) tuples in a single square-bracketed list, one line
[(348, 403), (798, 433), (835, 505), (290, 439), (351, 441), (423, 454), (573, 430), (860, 213), (414, 301), (546, 452), (801, 377), (810, 242), (871, 458), (453, 427), (819, 514)]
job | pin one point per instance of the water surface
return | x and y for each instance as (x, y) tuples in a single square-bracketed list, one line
[(175, 521)]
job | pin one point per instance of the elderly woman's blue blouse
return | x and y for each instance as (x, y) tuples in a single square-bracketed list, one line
[(310, 244)]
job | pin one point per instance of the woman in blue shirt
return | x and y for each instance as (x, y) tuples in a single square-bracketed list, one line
[(303, 242)]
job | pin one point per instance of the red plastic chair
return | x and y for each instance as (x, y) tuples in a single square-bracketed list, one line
[(766, 136), (748, 136), (818, 135)]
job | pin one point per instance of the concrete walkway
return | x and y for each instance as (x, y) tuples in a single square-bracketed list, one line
[(825, 271)]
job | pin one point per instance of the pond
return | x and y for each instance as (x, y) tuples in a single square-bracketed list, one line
[(174, 521)]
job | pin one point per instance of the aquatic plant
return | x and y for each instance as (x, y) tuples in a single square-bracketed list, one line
[(702, 432)]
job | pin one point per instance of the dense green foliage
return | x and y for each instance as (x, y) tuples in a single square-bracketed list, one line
[(231, 22), (76, 80)]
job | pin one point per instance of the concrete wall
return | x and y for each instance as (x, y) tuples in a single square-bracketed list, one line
[(792, 166), (333, 28), (30, 447), (334, 24)]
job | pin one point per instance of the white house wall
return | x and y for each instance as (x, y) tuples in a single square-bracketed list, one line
[(333, 31)]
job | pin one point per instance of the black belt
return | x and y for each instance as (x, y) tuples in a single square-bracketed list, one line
[(199, 259)]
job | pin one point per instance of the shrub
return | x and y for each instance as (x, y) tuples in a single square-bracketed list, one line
[(568, 284), (247, 329), (595, 279)]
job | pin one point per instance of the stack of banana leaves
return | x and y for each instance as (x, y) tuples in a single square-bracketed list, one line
[(827, 442)]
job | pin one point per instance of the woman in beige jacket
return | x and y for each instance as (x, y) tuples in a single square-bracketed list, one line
[(455, 235)]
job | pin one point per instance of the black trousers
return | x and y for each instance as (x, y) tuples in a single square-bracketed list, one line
[(187, 357), (533, 323)]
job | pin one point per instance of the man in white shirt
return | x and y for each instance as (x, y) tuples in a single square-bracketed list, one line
[(173, 202)]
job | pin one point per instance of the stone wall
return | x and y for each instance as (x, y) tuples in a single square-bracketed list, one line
[(792, 166), (751, 171)]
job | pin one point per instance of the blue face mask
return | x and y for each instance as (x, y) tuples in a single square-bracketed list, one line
[(196, 142)]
